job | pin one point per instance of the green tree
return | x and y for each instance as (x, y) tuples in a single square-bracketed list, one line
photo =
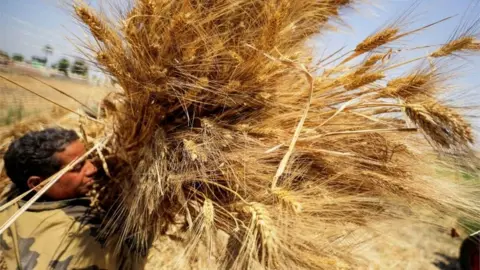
[(39, 60), (63, 65), (48, 50), (80, 67), (18, 57)]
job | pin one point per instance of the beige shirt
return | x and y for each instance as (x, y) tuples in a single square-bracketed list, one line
[(55, 235)]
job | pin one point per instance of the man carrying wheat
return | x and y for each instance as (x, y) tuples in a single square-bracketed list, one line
[(58, 231), (227, 123)]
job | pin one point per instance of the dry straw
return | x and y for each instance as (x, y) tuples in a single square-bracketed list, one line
[(218, 125), (376, 40), (363, 80), (410, 86), (443, 125), (460, 44), (368, 64)]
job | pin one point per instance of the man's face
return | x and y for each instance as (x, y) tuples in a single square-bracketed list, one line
[(77, 182)]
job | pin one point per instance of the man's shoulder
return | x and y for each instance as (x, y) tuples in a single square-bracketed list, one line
[(69, 206), (77, 208), (56, 234)]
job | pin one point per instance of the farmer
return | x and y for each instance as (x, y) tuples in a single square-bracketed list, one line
[(57, 231)]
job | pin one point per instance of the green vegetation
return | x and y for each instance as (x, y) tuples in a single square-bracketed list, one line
[(63, 65), (18, 57), (80, 67), (39, 60), (470, 176), (469, 224), (13, 114)]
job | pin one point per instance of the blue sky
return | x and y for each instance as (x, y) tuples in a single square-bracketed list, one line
[(28, 25)]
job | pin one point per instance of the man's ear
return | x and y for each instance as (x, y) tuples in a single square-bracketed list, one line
[(34, 181)]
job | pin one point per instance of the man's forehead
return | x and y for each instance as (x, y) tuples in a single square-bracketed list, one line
[(72, 151)]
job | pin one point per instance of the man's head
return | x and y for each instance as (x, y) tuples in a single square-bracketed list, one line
[(39, 154)]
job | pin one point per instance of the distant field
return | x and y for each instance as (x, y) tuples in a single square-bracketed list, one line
[(17, 103)]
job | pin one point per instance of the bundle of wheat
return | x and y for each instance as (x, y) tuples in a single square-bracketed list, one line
[(224, 123)]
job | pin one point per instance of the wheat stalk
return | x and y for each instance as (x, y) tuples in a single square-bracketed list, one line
[(100, 30), (376, 40), (409, 86), (457, 45), (288, 200), (359, 81), (451, 119), (368, 64), (441, 124), (261, 232)]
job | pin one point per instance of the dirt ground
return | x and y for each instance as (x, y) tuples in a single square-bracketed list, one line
[(412, 246), (409, 245)]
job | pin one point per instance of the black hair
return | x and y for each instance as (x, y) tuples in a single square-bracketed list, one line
[(33, 154)]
